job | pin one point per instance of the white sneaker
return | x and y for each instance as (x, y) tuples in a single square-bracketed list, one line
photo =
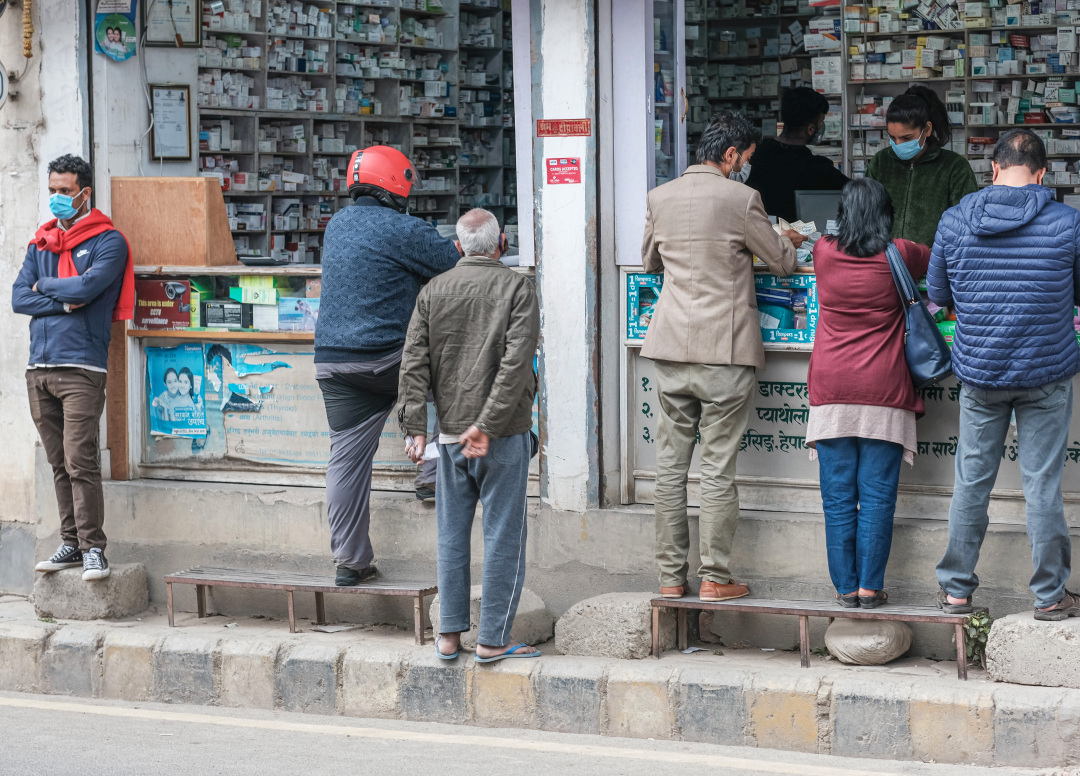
[(64, 558), (94, 565)]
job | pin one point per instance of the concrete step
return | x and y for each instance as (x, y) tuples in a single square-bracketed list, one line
[(913, 709), (64, 594)]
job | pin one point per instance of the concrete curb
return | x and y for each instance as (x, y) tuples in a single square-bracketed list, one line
[(820, 709)]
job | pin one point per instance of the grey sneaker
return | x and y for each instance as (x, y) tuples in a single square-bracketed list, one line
[(944, 605), (94, 565), (64, 558), (1068, 606)]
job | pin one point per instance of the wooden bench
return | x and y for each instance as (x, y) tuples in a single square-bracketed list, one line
[(291, 582), (805, 610)]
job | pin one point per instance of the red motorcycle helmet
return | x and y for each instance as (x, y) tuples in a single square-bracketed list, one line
[(379, 171)]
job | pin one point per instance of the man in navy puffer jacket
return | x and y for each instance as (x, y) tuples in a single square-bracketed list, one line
[(1007, 258)]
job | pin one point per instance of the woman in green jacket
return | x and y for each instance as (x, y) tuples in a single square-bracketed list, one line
[(923, 178)]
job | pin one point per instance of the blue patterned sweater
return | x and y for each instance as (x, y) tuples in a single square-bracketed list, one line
[(374, 262)]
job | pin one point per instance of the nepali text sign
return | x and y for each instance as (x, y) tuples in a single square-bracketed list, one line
[(563, 127)]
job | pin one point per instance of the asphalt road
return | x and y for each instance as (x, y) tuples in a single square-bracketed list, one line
[(62, 737)]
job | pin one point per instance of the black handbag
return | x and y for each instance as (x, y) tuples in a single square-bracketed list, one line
[(928, 357)]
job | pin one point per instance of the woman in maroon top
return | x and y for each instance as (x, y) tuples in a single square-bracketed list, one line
[(862, 403)]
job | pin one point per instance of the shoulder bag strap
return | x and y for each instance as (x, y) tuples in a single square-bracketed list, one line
[(905, 284)]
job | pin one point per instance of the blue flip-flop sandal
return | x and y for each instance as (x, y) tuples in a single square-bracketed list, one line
[(508, 654), (439, 652)]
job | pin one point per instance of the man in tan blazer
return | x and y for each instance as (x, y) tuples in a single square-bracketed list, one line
[(702, 231)]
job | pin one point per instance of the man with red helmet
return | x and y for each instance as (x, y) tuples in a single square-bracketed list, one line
[(375, 259)]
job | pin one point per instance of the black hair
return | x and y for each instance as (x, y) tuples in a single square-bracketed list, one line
[(727, 129), (165, 377), (865, 219), (1020, 147), (76, 164), (918, 105), (382, 196), (801, 106), (191, 380)]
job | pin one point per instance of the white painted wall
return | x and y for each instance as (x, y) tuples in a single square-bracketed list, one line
[(563, 81), (44, 120)]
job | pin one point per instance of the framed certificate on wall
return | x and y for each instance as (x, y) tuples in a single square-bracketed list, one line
[(170, 129), (173, 22)]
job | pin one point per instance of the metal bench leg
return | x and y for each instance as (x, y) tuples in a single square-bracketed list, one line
[(200, 599), (292, 612), (418, 619), (168, 598), (683, 639), (656, 631), (961, 652), (804, 640), (320, 609)]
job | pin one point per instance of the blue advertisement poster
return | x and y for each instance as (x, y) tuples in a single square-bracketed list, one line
[(174, 378)]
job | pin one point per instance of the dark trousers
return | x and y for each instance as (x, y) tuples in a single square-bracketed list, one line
[(66, 405)]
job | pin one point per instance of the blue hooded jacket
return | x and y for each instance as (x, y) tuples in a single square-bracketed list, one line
[(1008, 260)]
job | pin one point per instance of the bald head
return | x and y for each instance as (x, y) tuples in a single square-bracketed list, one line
[(478, 233)]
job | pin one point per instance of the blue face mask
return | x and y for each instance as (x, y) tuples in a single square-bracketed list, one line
[(62, 207), (908, 150)]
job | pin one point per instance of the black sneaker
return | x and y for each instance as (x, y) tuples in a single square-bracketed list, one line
[(94, 565), (64, 558), (349, 577), (425, 493)]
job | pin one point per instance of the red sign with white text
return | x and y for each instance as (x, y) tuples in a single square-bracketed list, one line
[(563, 127), (564, 170)]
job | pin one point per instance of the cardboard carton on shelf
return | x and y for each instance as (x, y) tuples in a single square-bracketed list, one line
[(173, 221)]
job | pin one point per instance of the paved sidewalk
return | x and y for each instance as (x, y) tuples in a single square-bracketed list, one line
[(914, 709)]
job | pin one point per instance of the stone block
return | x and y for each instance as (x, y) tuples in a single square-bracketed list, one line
[(570, 695), (533, 623), (784, 712), (639, 702), (64, 595), (306, 679), (371, 679), (128, 665), (1026, 727), (72, 662), (867, 642), (435, 690), (614, 625), (1023, 650), (952, 723), (184, 669), (503, 694), (870, 718), (17, 544), (247, 674), (22, 650), (711, 706)]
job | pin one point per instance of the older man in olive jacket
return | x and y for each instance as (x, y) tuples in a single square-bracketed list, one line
[(702, 231), (471, 341)]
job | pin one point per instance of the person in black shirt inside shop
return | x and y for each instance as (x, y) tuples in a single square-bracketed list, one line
[(783, 165)]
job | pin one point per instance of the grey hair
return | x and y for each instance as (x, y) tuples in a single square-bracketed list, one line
[(727, 129), (478, 231)]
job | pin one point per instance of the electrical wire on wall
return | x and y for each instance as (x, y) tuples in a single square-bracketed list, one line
[(146, 88)]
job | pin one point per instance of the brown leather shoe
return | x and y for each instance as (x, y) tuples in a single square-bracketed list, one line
[(673, 592), (713, 591)]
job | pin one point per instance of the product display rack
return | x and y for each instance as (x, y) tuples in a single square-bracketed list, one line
[(977, 100), (266, 59), (486, 166), (716, 71)]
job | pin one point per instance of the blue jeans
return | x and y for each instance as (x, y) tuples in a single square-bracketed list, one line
[(499, 481), (859, 478), (1042, 425)]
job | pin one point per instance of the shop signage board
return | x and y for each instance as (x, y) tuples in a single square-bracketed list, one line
[(566, 169), (563, 127), (642, 293)]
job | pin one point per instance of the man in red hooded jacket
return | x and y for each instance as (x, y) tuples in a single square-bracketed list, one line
[(76, 280)]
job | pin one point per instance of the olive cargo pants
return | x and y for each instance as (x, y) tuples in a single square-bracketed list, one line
[(715, 401)]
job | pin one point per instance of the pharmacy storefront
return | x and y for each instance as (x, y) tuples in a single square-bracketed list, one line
[(995, 66)]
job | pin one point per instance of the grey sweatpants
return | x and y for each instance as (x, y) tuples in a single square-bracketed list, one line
[(499, 481), (348, 490)]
